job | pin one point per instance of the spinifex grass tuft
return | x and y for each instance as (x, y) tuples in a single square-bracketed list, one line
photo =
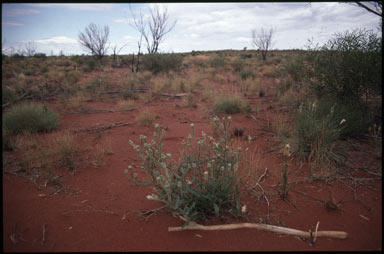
[(202, 183)]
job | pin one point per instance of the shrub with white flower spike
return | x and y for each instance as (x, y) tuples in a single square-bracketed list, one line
[(202, 183)]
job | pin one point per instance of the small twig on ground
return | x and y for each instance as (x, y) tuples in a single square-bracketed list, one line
[(102, 127), (153, 210), (357, 198), (43, 237)]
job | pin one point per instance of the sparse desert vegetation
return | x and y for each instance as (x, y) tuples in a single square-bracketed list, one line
[(211, 137)]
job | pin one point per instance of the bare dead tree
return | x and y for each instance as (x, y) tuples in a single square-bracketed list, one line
[(262, 40), (30, 48), (154, 29), (376, 8), (95, 39), (117, 50), (135, 64)]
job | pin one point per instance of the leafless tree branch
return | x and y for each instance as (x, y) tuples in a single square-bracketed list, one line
[(377, 5), (95, 39), (262, 40), (154, 29), (30, 48)]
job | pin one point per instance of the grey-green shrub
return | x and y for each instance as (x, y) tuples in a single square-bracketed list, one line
[(238, 65), (349, 67), (8, 95), (30, 118), (231, 105), (157, 63), (247, 73), (202, 183)]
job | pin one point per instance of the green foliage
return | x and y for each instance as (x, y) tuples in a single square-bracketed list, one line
[(349, 67), (29, 117), (8, 95), (238, 65), (246, 74), (202, 183), (157, 63), (86, 63), (356, 121), (231, 105), (39, 55), (295, 67), (217, 62), (317, 135)]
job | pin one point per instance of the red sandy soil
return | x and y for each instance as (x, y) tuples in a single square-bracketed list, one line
[(101, 210)]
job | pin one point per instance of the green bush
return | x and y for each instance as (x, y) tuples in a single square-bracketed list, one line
[(317, 134), (157, 63), (247, 73), (40, 55), (30, 118), (217, 62), (8, 95), (202, 183), (356, 121), (231, 105), (349, 67), (238, 65), (295, 67)]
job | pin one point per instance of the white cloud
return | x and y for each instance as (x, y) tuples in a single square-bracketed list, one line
[(79, 7), (57, 40), (13, 24), (19, 12), (123, 21)]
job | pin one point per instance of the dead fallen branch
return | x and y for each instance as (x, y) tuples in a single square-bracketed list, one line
[(102, 127), (147, 90), (281, 230)]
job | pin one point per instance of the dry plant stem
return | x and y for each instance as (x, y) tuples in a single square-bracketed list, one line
[(102, 127), (43, 237), (357, 198), (276, 229)]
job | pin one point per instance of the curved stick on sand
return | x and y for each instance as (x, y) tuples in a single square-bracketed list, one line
[(282, 230)]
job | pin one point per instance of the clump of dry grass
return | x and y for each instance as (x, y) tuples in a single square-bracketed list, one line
[(66, 145), (99, 152), (146, 118), (249, 86), (208, 94), (126, 105), (77, 101), (190, 100)]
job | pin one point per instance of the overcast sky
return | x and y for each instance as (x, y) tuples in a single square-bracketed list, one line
[(200, 26)]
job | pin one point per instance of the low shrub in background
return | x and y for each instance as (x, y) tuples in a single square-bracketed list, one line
[(349, 67), (246, 74), (217, 62), (157, 63), (238, 65), (7, 95), (30, 118), (203, 183), (231, 105), (146, 118)]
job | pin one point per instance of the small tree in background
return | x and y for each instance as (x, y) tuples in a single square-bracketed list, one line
[(154, 30), (262, 40), (30, 48), (95, 40)]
